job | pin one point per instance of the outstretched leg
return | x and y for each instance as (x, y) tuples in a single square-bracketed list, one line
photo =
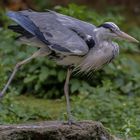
[(66, 91), (18, 65)]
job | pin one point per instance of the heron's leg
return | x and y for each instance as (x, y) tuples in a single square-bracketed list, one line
[(66, 91), (18, 65)]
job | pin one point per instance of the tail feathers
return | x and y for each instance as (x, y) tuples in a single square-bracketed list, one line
[(20, 30), (25, 21), (22, 20), (26, 37)]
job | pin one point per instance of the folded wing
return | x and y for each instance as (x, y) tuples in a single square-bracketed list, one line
[(50, 31)]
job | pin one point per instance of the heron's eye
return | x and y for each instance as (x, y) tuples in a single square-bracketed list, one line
[(111, 30)]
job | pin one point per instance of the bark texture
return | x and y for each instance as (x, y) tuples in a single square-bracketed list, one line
[(54, 130)]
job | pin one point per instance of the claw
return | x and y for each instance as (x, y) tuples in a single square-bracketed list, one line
[(72, 122), (69, 122)]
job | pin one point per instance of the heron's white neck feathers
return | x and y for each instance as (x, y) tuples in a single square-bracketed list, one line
[(101, 34), (98, 56)]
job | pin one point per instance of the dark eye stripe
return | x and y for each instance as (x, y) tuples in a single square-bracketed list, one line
[(108, 26)]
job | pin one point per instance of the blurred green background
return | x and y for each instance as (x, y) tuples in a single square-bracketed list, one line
[(111, 95)]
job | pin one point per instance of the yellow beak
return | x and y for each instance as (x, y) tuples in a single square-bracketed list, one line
[(125, 36)]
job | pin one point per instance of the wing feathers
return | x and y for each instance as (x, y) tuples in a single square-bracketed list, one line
[(50, 31), (26, 23), (20, 30)]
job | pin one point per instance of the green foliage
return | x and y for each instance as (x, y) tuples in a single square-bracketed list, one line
[(110, 95), (90, 15), (12, 111), (120, 114)]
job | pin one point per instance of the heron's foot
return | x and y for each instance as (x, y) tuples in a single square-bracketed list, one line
[(72, 122)]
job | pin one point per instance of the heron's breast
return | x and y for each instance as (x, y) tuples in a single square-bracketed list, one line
[(98, 57)]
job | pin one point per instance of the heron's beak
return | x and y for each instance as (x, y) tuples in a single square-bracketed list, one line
[(125, 36)]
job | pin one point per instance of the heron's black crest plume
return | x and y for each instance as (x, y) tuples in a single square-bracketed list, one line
[(109, 25), (106, 25)]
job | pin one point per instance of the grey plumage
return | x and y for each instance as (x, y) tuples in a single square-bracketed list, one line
[(74, 40), (68, 41), (44, 23)]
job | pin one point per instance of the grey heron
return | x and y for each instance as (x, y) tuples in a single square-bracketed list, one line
[(68, 41)]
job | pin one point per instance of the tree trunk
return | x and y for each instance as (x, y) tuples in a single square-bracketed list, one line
[(54, 130)]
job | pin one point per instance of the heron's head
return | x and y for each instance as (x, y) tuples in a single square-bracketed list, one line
[(110, 30)]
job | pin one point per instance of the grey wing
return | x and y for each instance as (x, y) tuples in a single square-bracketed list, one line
[(50, 31), (71, 22), (82, 28)]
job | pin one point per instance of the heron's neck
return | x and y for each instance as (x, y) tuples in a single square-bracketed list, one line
[(99, 37)]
